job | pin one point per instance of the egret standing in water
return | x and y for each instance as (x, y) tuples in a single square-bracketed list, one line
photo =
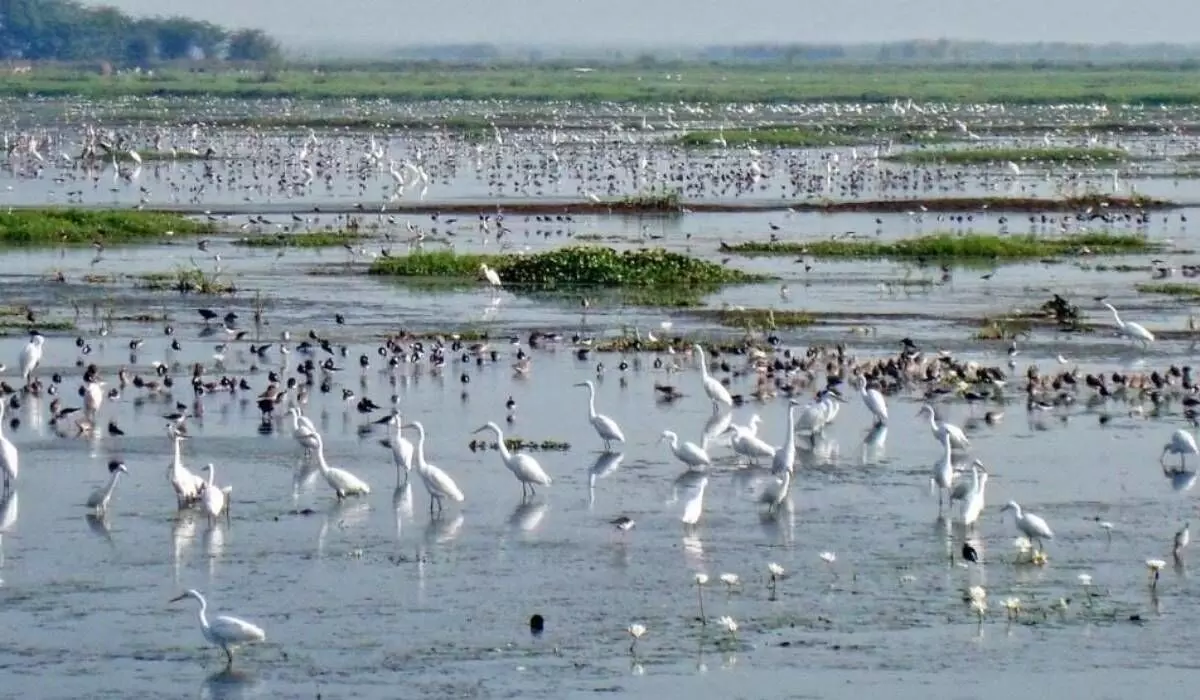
[(524, 467), (437, 482), (31, 356), (689, 453), (606, 427), (1182, 539), (303, 431), (184, 481), (1030, 525), (958, 439), (226, 632), (873, 400), (99, 499), (1182, 443), (1129, 329), (343, 482), (974, 500), (214, 498), (402, 448), (712, 386), (9, 459), (785, 456), (943, 471)]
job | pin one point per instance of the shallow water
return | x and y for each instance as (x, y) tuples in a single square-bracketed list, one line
[(366, 597)]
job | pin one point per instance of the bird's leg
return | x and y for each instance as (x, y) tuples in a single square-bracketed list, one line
[(229, 657)]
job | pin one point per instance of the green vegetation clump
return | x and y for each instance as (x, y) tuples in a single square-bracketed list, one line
[(795, 137), (1012, 83), (768, 319), (948, 246), (983, 156), (29, 227), (1175, 289), (575, 266), (312, 239)]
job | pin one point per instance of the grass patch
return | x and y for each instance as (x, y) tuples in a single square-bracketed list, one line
[(664, 81), (767, 319), (313, 239), (948, 246), (656, 200), (1174, 289), (575, 266), (984, 156), (55, 226), (186, 280), (803, 136)]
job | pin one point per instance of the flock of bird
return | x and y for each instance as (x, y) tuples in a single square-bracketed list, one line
[(781, 371)]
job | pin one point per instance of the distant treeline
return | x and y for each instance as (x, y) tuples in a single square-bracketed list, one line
[(63, 30), (924, 52)]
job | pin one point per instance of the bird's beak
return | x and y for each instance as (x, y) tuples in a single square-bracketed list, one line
[(480, 430), (385, 419), (177, 598)]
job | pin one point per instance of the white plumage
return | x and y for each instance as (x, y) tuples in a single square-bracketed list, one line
[(402, 448), (214, 498), (943, 471), (1030, 525), (689, 453), (606, 427), (184, 482), (712, 386), (343, 482), (437, 482), (93, 398), (973, 507), (747, 444), (492, 277), (874, 402), (224, 631), (9, 459), (523, 466), (958, 440), (100, 497), (1182, 443), (1136, 331), (31, 356), (303, 431), (785, 456)]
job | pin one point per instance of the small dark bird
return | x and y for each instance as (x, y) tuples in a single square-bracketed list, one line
[(623, 523), (113, 429), (969, 553), (537, 624)]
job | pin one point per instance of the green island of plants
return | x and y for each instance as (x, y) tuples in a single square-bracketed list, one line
[(653, 277), (1174, 289), (798, 137), (307, 239), (66, 226), (984, 156), (949, 246)]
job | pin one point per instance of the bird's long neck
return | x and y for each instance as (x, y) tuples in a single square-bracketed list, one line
[(321, 463), (178, 454), (212, 476), (591, 402), (789, 440), (202, 612), (421, 449), (504, 453), (112, 482)]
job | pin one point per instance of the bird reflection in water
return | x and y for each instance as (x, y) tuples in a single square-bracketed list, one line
[(231, 684)]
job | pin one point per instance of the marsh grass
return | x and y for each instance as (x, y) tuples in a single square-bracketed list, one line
[(796, 136), (1174, 289), (186, 280), (950, 247), (67, 226), (985, 156), (754, 318), (310, 239)]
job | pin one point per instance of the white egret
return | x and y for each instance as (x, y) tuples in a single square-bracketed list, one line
[(974, 501), (1030, 525), (437, 482), (943, 471), (490, 275), (712, 386), (606, 427), (749, 445), (93, 398), (1182, 443), (343, 482), (776, 492), (958, 440), (873, 400), (402, 448), (184, 482), (1182, 539), (523, 466), (689, 453), (214, 499), (785, 456), (226, 632), (1129, 329), (99, 499), (31, 356), (819, 413), (9, 459), (303, 431)]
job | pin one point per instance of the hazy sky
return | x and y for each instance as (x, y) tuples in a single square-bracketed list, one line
[(692, 21)]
